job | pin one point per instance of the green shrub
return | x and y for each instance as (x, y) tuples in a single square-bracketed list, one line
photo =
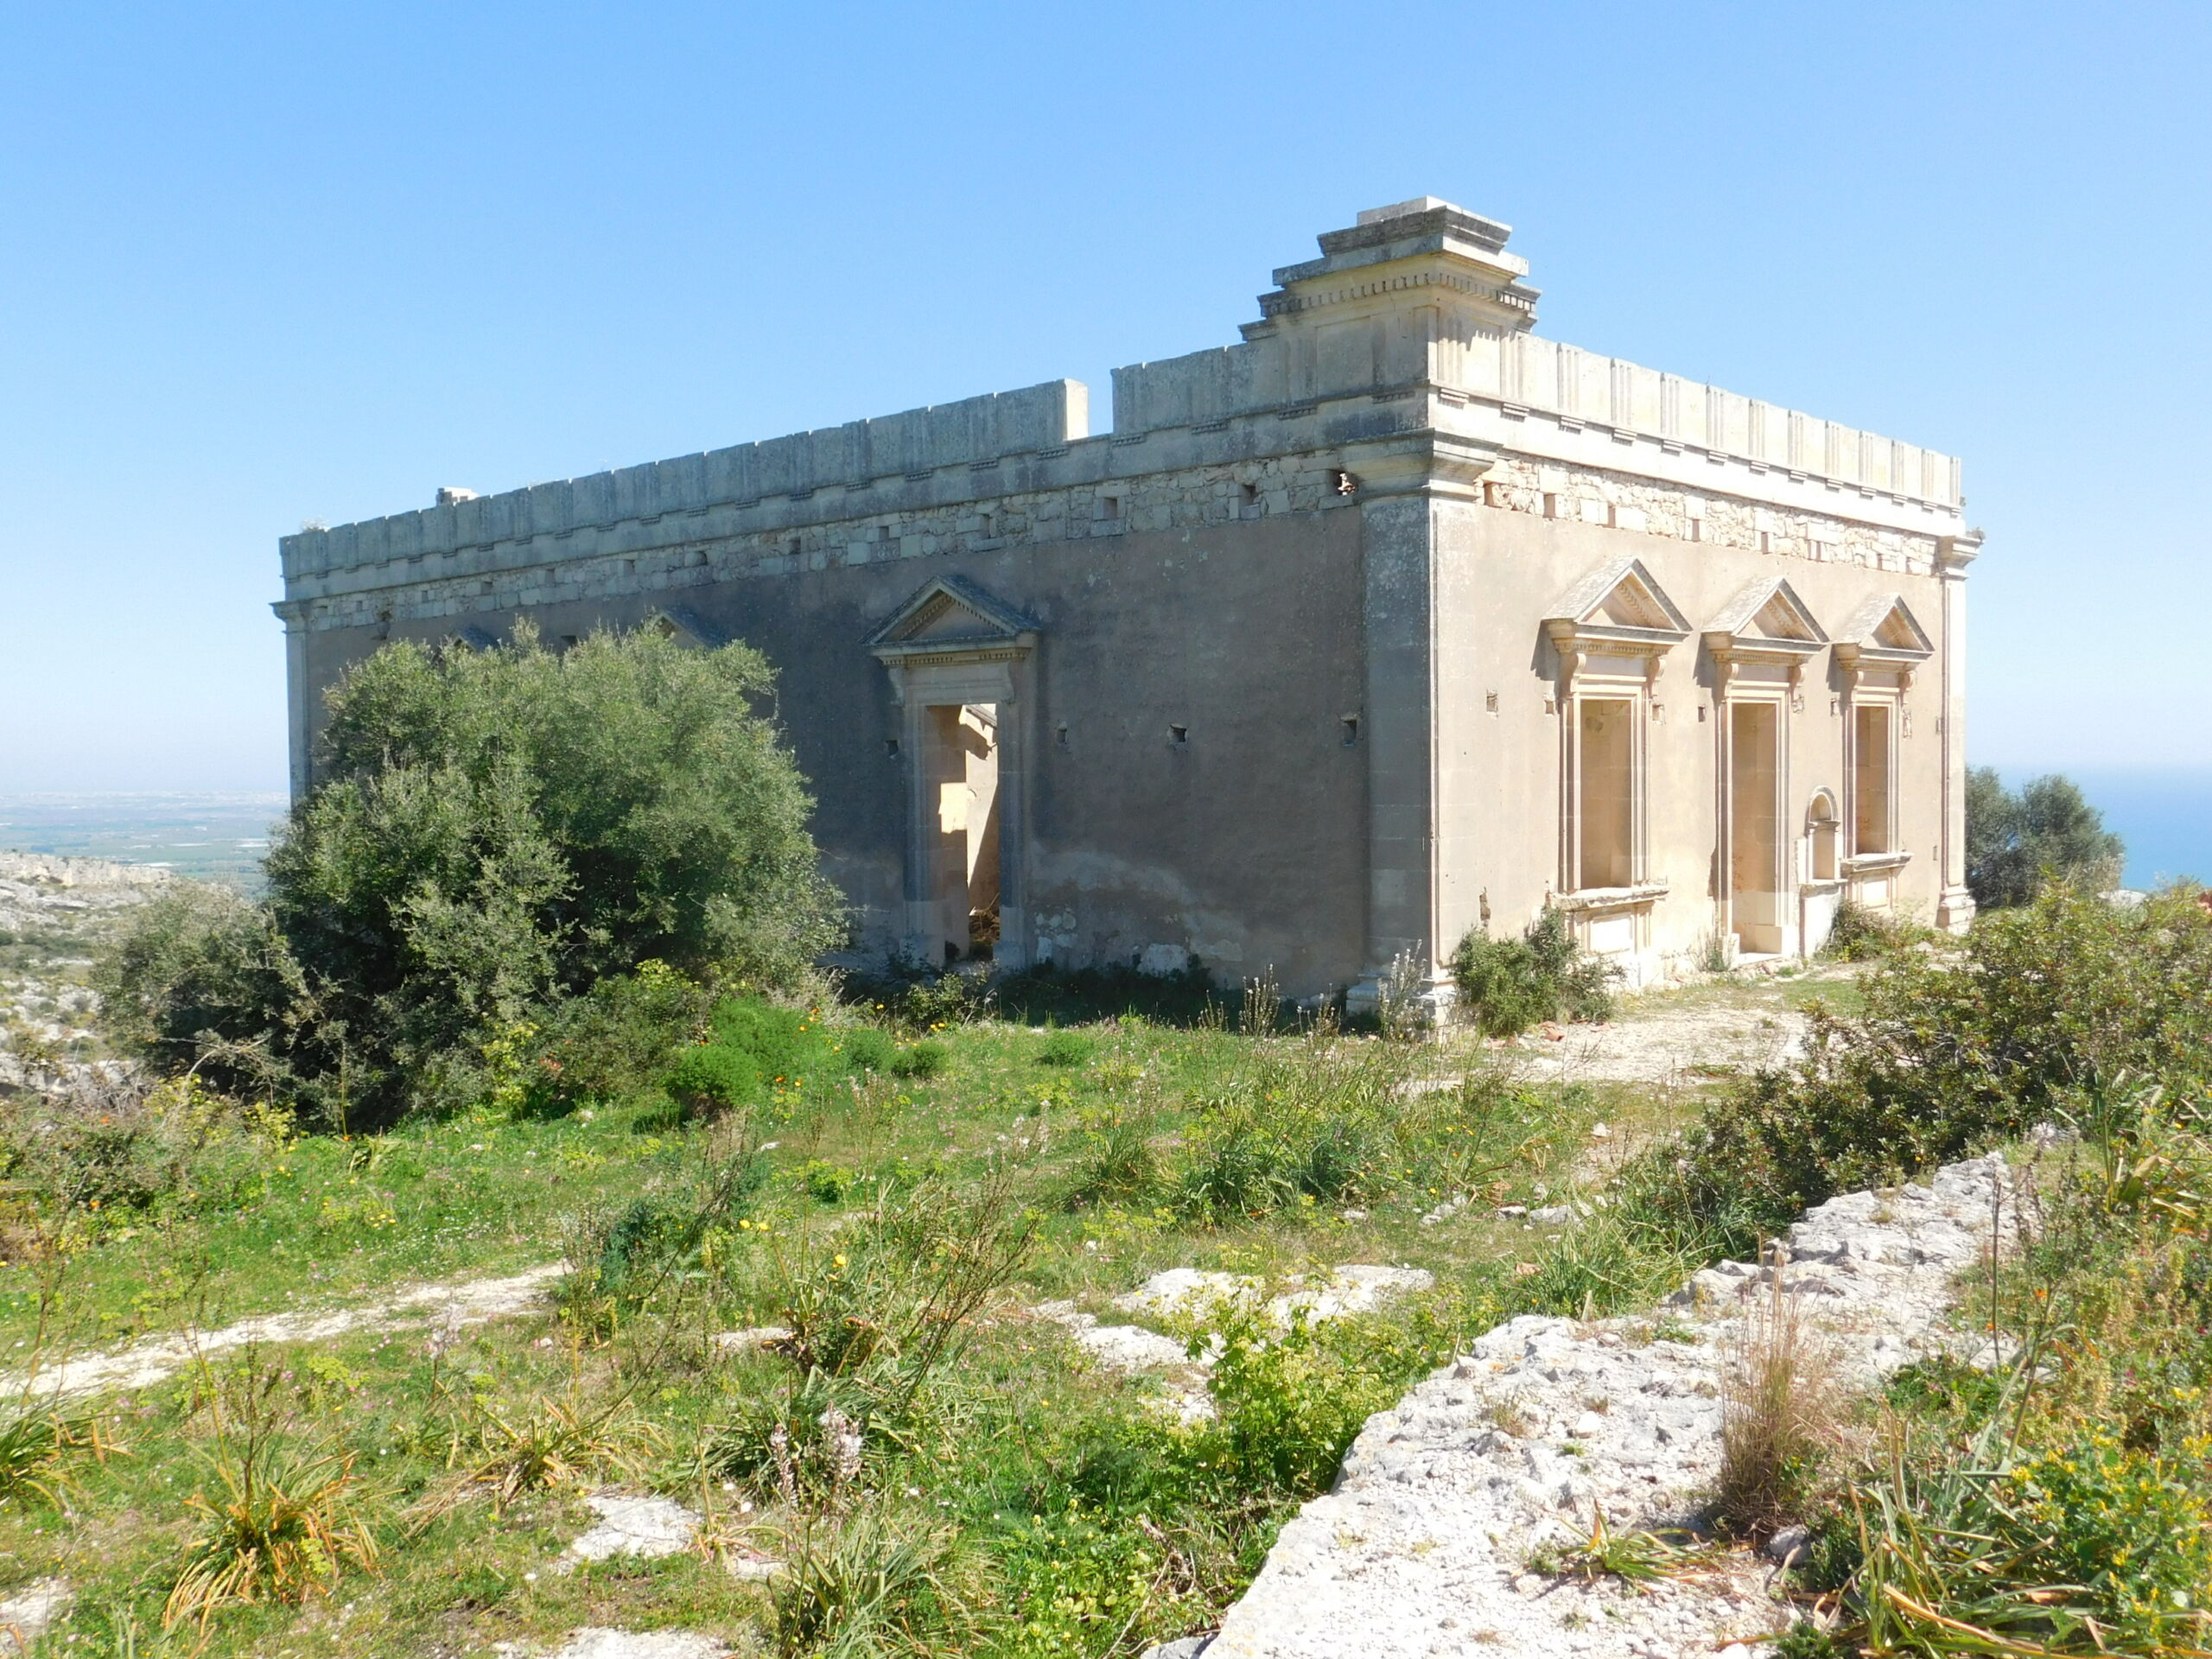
[(2052, 1010), (1508, 985), (491, 832), (709, 1081), (1291, 1402), (614, 1040), (1858, 934), (867, 1049), (1066, 1048), (921, 1061), (787, 1046), (621, 1258)]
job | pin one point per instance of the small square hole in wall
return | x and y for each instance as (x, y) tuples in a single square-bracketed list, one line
[(1060, 735), (891, 745), (1179, 734), (1700, 713), (792, 546), (1612, 517), (885, 533), (1697, 530), (1247, 495), (1490, 494), (1490, 703), (1110, 507), (1351, 724), (990, 525), (1766, 541), (1658, 713), (1551, 505)]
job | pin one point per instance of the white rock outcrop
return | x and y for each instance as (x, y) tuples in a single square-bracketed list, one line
[(1423, 1547)]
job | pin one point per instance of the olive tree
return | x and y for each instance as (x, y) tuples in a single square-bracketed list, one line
[(490, 833)]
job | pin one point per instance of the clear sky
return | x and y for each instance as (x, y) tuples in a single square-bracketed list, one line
[(266, 263)]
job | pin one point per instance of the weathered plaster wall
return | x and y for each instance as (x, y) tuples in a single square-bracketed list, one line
[(1242, 844)]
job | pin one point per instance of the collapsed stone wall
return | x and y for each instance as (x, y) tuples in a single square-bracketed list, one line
[(1423, 1548)]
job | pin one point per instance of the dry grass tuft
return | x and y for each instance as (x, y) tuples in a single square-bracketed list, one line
[(1779, 1407)]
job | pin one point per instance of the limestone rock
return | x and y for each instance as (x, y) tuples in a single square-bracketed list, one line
[(28, 1612), (596, 1642), (645, 1527), (1423, 1546)]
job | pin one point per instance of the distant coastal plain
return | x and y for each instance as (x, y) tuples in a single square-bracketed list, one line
[(2164, 814), (214, 837)]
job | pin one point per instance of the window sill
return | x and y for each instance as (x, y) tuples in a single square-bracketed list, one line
[(1872, 863), (1643, 893), (1821, 885)]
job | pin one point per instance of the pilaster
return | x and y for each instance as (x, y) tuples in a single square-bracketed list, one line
[(1403, 485), (294, 616), (1955, 906)]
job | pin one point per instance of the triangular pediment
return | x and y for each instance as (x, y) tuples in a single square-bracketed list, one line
[(1620, 601), (687, 627), (948, 611), (1769, 612), (1884, 626)]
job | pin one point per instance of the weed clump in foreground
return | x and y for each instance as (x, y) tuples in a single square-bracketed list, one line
[(1779, 1408), (2047, 1012), (281, 1524), (1508, 985), (2061, 1503)]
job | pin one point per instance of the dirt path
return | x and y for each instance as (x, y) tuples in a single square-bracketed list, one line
[(468, 1302), (1682, 1036)]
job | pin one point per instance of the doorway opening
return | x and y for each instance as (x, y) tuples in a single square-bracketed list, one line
[(1754, 843), (1608, 827), (960, 774), (1871, 784)]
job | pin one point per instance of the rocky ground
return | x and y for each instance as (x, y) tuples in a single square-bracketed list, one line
[(54, 914), (1425, 1547)]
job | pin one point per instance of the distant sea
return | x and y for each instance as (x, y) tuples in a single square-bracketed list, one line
[(215, 837), (2165, 815)]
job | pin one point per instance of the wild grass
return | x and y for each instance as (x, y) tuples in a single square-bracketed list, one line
[(880, 1584), (550, 1442), (280, 1523), (1780, 1406), (1641, 1559)]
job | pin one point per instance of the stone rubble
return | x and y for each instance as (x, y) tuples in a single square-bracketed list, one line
[(648, 1528), (448, 1306), (25, 1615), (1422, 1550), (596, 1642)]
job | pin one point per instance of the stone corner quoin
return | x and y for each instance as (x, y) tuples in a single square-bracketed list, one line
[(1392, 621)]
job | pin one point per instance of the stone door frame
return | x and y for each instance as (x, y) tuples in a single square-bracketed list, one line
[(951, 644)]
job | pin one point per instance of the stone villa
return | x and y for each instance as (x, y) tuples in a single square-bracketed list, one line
[(1393, 620)]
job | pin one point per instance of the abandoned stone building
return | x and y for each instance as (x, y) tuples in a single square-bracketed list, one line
[(1393, 620)]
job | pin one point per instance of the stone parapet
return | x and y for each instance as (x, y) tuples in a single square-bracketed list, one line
[(1413, 320)]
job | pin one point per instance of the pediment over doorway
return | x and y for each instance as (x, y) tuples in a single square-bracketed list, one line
[(1619, 610), (1882, 629), (948, 616), (1765, 622), (686, 628)]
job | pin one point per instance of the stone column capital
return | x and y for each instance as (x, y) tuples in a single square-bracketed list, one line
[(1954, 553), (1429, 462)]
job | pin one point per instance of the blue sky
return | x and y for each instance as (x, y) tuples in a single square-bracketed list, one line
[(268, 263)]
